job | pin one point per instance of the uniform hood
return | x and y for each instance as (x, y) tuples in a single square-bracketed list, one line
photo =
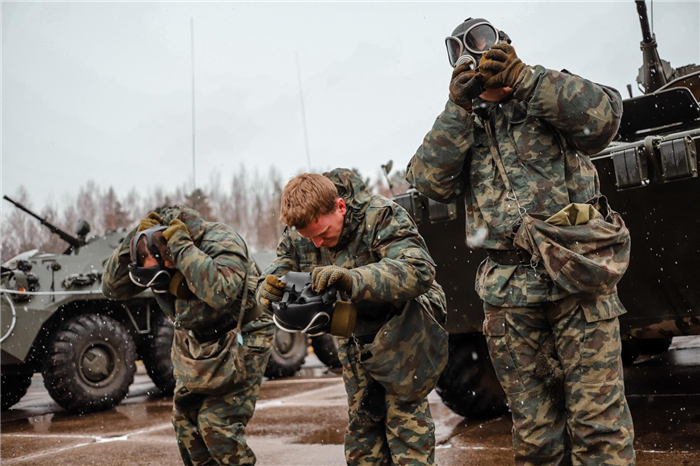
[(356, 196), (190, 217)]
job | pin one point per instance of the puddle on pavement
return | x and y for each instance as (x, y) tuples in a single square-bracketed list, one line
[(330, 436)]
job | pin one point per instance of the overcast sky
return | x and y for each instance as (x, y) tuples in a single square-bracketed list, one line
[(102, 91)]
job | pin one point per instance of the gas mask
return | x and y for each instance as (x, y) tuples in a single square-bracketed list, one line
[(157, 277), (301, 310), (471, 40)]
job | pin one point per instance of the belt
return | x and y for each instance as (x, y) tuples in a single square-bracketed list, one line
[(515, 256), (248, 316)]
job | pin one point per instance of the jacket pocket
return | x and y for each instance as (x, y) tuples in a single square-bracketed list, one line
[(602, 308)]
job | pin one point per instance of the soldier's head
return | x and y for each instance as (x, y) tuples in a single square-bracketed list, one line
[(471, 39), (149, 266), (311, 205), (144, 258)]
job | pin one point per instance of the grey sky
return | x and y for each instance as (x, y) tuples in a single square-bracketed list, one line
[(102, 90)]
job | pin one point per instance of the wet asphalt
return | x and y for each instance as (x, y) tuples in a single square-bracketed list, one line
[(301, 421)]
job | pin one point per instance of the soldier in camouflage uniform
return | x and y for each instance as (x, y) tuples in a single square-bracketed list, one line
[(367, 246), (532, 129), (212, 261)]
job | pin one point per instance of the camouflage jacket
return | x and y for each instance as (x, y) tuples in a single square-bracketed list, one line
[(541, 136), (379, 241), (213, 260)]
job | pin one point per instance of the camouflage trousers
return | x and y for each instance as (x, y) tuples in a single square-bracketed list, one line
[(590, 422), (394, 432), (210, 430)]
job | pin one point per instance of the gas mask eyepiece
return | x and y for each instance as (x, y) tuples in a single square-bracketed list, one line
[(157, 277), (470, 40)]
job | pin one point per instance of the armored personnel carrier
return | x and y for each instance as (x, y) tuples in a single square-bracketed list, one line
[(650, 175), (56, 321)]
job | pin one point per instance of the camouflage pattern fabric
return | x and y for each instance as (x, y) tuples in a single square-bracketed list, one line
[(409, 352), (403, 434), (587, 343), (537, 141), (211, 429), (588, 258), (542, 134), (391, 265), (213, 260)]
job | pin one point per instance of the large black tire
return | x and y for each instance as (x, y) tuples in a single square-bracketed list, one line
[(14, 387), (90, 363), (655, 346), (326, 349), (630, 351), (156, 354), (468, 385), (288, 354)]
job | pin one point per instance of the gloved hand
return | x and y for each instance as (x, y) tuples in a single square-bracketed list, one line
[(500, 66), (271, 291), (459, 91), (149, 221), (175, 225), (323, 277)]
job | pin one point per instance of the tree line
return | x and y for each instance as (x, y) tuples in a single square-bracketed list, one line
[(249, 202)]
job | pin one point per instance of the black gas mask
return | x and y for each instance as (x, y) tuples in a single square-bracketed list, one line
[(471, 40), (157, 277), (301, 310)]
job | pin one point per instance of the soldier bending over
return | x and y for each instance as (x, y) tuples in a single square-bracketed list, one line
[(203, 278)]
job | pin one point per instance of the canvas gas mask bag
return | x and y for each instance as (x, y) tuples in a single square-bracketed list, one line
[(583, 249), (409, 351), (211, 367)]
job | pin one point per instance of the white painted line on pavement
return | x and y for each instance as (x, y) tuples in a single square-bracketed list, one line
[(284, 401), (307, 381), (95, 439)]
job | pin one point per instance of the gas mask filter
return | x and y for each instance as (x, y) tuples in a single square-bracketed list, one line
[(157, 277), (471, 40)]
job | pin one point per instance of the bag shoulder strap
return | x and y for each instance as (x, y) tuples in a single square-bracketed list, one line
[(244, 298)]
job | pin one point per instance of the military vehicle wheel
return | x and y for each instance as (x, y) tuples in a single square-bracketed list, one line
[(468, 385), (14, 387), (156, 354), (655, 345), (326, 348), (288, 354), (90, 363), (631, 350)]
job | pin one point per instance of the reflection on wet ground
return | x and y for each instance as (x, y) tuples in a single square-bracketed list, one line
[(301, 421)]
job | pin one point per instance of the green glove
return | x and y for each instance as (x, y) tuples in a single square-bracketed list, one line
[(500, 67), (458, 86), (149, 221), (271, 291), (323, 277), (175, 225)]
